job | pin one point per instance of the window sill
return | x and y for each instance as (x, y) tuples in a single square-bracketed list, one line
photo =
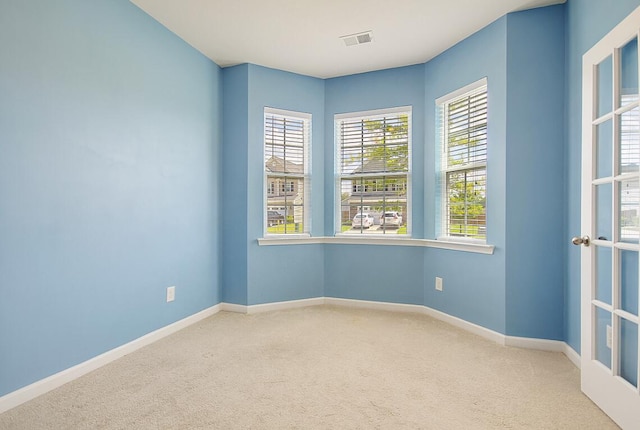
[(289, 239), (477, 248)]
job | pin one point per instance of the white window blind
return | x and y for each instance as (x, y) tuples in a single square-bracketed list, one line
[(629, 162), (373, 171), (287, 173), (463, 155)]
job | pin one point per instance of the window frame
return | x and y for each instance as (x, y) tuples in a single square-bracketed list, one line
[(443, 170), (286, 180), (338, 177)]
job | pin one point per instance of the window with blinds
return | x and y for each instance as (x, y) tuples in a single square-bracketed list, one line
[(463, 155), (373, 171), (286, 166)]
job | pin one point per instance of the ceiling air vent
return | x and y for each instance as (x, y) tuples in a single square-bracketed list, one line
[(358, 38)]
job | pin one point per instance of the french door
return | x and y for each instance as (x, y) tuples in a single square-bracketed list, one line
[(610, 255)]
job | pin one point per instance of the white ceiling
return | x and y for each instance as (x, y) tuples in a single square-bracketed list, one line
[(302, 36)]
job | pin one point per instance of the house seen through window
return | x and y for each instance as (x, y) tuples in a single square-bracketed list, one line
[(286, 166), (463, 155), (373, 174)]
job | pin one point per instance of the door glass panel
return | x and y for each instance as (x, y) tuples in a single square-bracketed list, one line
[(629, 124), (629, 351), (629, 73), (602, 351), (629, 281), (604, 275), (629, 223), (604, 203), (604, 133), (605, 86)]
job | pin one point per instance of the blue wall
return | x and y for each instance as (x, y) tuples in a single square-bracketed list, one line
[(115, 182), (587, 21), (234, 192), (474, 284), (255, 274), (279, 273), (109, 182), (531, 291), (376, 273), (535, 174)]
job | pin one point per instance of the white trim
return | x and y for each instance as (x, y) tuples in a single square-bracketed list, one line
[(494, 336), (369, 114), (359, 239), (232, 307), (479, 248), (534, 343), (284, 112), (379, 306), (43, 386), (278, 306), (462, 239), (478, 330), (545, 345), (346, 239), (460, 91), (289, 240), (420, 309), (572, 355), (56, 380), (268, 307)]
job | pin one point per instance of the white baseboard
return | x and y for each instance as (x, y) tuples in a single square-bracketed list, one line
[(545, 345), (532, 343), (572, 355), (419, 309), (380, 306), (291, 304), (232, 307), (484, 332), (45, 385), (494, 336), (268, 307)]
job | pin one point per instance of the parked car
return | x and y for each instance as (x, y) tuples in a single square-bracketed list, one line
[(391, 219), (274, 218), (362, 220)]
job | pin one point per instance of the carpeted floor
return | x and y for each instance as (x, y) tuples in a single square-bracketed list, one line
[(320, 368)]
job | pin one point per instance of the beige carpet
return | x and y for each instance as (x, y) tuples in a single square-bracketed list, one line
[(320, 368)]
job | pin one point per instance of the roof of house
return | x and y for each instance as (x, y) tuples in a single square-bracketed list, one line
[(276, 164)]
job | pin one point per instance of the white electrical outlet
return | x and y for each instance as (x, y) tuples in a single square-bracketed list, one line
[(609, 336), (171, 294), (438, 284)]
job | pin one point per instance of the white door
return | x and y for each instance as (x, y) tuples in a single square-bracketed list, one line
[(610, 253)]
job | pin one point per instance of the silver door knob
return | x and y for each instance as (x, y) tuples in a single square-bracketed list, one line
[(584, 240)]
